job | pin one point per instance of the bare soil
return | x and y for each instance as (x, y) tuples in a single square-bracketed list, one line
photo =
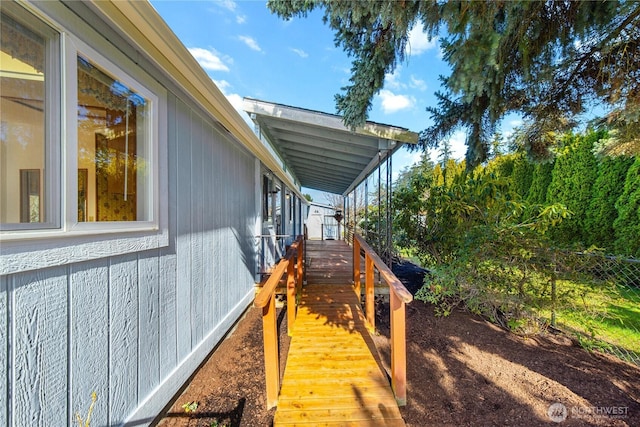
[(461, 371)]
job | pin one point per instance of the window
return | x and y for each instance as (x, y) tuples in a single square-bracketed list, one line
[(29, 85), (112, 147), (109, 113)]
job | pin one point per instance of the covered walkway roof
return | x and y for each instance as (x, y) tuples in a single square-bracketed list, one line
[(319, 150)]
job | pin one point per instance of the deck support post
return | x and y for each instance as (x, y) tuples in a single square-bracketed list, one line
[(356, 268), (271, 362), (369, 292), (291, 297), (398, 348)]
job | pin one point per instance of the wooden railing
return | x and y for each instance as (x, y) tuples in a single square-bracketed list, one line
[(291, 265), (398, 297)]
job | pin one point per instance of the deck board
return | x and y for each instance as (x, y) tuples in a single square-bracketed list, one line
[(332, 375)]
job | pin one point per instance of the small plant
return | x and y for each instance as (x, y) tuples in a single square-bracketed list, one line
[(85, 423), (190, 406)]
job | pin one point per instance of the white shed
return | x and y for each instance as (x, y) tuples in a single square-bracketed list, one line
[(321, 223)]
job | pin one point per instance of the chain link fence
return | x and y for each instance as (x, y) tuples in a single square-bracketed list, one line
[(596, 298)]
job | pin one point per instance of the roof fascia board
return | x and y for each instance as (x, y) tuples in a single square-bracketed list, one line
[(331, 121)]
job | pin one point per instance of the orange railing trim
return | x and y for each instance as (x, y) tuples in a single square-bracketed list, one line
[(262, 299), (398, 297), (394, 283), (266, 300)]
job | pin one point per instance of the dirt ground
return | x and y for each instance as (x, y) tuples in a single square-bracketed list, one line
[(461, 371)]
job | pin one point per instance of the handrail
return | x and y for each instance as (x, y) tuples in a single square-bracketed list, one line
[(270, 284), (386, 273), (266, 300), (398, 297)]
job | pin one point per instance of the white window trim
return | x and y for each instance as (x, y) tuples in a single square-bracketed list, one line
[(30, 249), (74, 47)]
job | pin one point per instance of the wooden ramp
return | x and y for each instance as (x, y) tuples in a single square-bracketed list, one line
[(332, 377), (329, 261)]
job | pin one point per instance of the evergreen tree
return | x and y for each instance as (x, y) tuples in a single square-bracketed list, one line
[(602, 212), (445, 153), (502, 166), (542, 173), (497, 145), (544, 59), (522, 175), (627, 225), (572, 180)]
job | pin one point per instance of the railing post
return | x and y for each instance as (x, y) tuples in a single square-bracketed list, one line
[(271, 362), (369, 291), (299, 261), (291, 298), (356, 267), (398, 348)]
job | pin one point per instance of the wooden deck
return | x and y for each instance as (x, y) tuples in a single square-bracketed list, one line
[(332, 375)]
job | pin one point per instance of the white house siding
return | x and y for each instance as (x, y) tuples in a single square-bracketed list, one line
[(134, 327)]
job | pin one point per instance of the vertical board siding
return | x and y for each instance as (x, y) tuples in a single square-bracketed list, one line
[(123, 337), (225, 181), (208, 290), (39, 348), (132, 328), (90, 337), (169, 262), (168, 324), (183, 215), (198, 193), (218, 248), (148, 323)]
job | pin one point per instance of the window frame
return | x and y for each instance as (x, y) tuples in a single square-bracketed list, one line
[(51, 181), (75, 48), (65, 240)]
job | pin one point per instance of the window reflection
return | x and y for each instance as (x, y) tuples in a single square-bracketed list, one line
[(22, 124), (111, 120)]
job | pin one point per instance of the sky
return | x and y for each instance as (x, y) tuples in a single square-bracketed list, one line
[(250, 52)]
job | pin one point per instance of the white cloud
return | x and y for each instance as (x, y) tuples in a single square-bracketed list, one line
[(392, 81), (301, 53), (392, 103), (417, 83), (251, 42), (236, 101), (458, 144), (419, 42), (223, 85), (231, 6), (208, 59)]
